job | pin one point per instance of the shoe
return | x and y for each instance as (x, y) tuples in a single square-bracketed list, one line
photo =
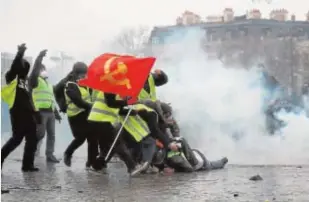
[(30, 169), (100, 163), (88, 165), (52, 159), (67, 160), (152, 170), (139, 168)]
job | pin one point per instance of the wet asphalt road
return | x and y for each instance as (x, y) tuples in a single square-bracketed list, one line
[(59, 183)]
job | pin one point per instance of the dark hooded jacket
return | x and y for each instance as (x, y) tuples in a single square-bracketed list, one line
[(23, 113), (72, 90)]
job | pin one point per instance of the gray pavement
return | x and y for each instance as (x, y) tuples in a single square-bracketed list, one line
[(59, 183)]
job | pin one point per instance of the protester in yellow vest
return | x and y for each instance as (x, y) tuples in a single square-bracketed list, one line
[(107, 111), (22, 112), (158, 78), (79, 104), (43, 99), (148, 96)]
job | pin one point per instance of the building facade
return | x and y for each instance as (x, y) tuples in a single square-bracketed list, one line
[(240, 40)]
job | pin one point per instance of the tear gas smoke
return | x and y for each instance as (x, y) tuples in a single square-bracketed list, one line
[(220, 109)]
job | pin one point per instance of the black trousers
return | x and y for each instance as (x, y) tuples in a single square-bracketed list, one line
[(151, 118), (29, 133), (142, 151), (82, 131), (106, 134)]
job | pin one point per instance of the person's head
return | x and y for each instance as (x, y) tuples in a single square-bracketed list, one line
[(25, 69), (43, 72), (79, 70), (167, 109)]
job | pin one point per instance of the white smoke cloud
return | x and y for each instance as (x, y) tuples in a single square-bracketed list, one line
[(220, 109)]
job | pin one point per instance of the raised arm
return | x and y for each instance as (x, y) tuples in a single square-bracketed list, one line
[(33, 79), (17, 65)]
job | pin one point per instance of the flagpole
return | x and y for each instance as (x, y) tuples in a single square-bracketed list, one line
[(119, 132)]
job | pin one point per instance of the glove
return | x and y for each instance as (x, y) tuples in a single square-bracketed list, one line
[(57, 116), (43, 53), (22, 48), (132, 101)]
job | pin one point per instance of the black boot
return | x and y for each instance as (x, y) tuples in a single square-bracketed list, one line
[(28, 161), (29, 169), (67, 159)]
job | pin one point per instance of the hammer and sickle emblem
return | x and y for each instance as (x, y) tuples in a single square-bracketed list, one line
[(109, 75)]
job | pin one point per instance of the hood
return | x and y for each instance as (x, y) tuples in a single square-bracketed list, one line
[(79, 70)]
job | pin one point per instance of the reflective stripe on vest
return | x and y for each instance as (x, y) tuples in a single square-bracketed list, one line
[(8, 93), (43, 95), (94, 95), (72, 109), (170, 154), (142, 106), (136, 126), (144, 95), (100, 112)]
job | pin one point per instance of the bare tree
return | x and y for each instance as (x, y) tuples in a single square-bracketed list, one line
[(132, 40)]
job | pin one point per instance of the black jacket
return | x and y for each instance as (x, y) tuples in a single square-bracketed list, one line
[(74, 94), (23, 115), (111, 101)]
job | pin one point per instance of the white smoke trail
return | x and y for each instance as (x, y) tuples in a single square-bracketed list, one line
[(219, 110)]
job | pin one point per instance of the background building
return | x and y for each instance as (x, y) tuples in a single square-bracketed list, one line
[(188, 18), (240, 40)]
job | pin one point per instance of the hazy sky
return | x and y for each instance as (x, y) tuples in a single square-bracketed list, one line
[(81, 24)]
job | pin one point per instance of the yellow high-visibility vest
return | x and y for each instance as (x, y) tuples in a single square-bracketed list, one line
[(144, 95), (8, 93), (72, 109), (135, 125), (43, 95)]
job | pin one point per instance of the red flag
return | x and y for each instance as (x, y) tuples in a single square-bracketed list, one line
[(118, 74)]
